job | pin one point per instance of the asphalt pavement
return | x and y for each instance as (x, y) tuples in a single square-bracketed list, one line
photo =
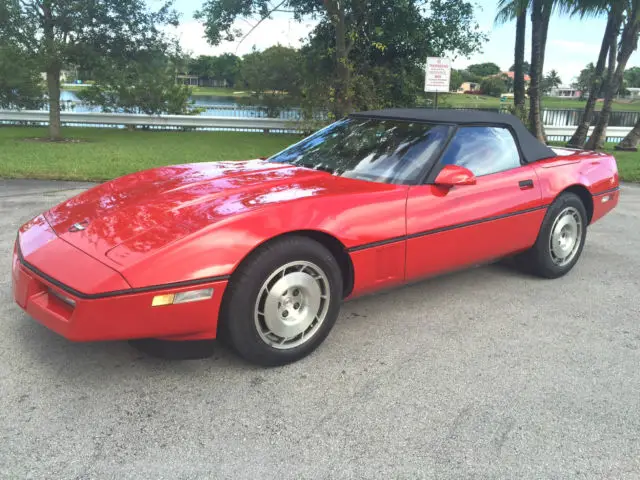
[(486, 373)]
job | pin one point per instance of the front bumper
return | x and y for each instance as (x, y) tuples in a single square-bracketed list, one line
[(121, 316)]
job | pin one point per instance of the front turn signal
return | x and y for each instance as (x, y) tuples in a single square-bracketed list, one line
[(182, 297)]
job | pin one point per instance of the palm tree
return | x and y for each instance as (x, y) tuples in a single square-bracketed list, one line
[(540, 17), (552, 80), (630, 142), (507, 11), (628, 45), (614, 11)]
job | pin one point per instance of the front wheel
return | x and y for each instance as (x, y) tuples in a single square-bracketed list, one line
[(561, 238), (283, 301)]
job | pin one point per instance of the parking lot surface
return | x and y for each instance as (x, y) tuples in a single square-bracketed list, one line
[(486, 373)]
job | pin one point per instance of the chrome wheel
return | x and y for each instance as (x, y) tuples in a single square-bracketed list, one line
[(292, 304), (566, 236)]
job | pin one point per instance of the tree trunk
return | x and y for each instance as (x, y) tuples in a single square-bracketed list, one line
[(343, 85), (609, 85), (630, 142), (535, 116), (610, 36), (611, 65), (628, 45), (546, 17), (53, 67), (599, 135), (518, 74), (53, 87)]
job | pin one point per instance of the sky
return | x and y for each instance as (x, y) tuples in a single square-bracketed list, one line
[(571, 43)]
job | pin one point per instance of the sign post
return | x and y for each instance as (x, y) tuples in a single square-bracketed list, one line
[(437, 75)]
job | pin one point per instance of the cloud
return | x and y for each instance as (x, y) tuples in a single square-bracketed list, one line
[(567, 57), (284, 31), (572, 46)]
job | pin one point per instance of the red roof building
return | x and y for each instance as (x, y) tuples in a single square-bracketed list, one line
[(512, 75)]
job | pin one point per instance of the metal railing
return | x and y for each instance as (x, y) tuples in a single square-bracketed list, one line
[(553, 117), (564, 134), (170, 122), (217, 123), (202, 109), (574, 117)]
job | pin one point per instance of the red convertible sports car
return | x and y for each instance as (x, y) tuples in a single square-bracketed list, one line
[(263, 252)]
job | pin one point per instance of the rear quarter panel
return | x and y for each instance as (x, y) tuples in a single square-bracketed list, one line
[(597, 172)]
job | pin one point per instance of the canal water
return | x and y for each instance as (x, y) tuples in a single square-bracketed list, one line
[(228, 107)]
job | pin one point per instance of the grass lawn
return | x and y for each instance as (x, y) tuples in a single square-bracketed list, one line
[(483, 101), (219, 92), (109, 153), (628, 165), (73, 88)]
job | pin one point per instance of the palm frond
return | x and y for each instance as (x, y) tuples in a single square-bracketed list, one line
[(509, 10), (593, 8)]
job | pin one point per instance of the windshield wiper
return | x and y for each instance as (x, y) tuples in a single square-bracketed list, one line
[(315, 167)]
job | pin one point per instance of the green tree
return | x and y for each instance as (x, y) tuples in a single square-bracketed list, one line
[(483, 69), (358, 48), (627, 44), (493, 86), (387, 59), (584, 80), (467, 76), (272, 70), (551, 80), (509, 10), (632, 77), (219, 16), (225, 67), (79, 32), (457, 78), (201, 66), (273, 76), (145, 83), (20, 82)]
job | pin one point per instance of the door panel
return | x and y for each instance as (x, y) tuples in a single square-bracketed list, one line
[(449, 228)]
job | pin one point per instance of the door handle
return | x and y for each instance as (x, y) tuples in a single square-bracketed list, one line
[(525, 184)]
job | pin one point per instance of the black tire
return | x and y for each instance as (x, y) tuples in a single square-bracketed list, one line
[(238, 321), (538, 259)]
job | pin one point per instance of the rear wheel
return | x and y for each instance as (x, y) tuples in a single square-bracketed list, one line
[(283, 301), (561, 238)]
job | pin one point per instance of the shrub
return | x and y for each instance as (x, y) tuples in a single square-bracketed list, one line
[(493, 86)]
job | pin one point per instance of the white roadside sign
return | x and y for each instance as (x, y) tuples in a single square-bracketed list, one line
[(438, 74)]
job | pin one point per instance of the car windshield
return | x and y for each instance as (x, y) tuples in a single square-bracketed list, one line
[(377, 150)]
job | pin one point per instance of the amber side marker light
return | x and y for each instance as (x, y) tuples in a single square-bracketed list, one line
[(182, 297)]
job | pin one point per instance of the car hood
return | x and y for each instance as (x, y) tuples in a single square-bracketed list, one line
[(152, 208)]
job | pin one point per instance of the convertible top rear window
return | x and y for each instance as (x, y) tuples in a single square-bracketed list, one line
[(373, 149)]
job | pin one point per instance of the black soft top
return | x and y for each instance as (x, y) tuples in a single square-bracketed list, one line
[(532, 149)]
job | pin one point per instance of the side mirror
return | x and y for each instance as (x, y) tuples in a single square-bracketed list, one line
[(452, 175)]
